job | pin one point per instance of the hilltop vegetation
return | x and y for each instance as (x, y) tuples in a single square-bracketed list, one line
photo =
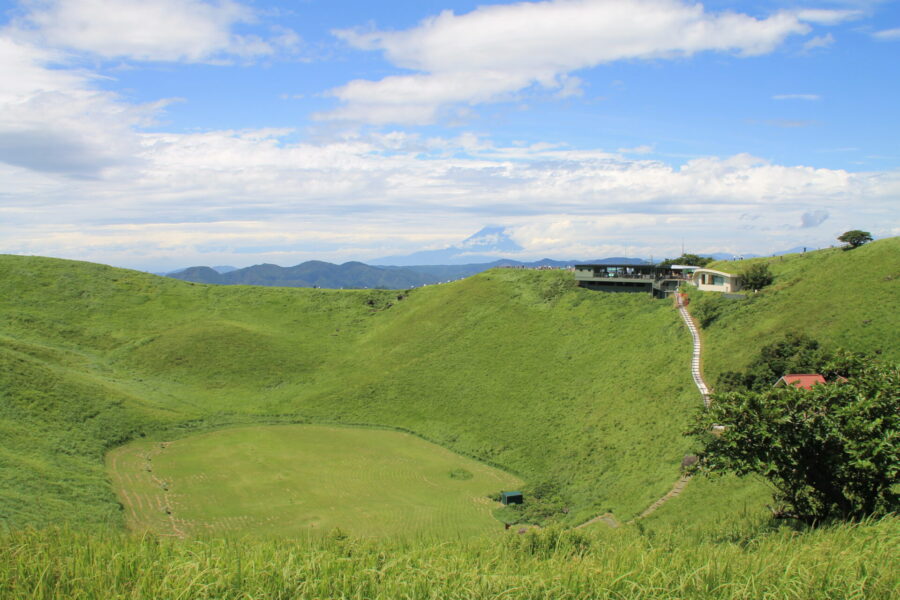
[(842, 300), (848, 300)]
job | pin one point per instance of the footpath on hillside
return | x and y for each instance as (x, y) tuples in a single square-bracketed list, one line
[(697, 374)]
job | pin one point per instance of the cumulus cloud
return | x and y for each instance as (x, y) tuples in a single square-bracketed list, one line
[(55, 120), (243, 197), (820, 41), (813, 218), (497, 51), (158, 30)]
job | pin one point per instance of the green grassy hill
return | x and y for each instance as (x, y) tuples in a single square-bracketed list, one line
[(845, 299), (583, 395)]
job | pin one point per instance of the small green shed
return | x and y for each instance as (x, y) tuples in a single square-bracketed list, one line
[(511, 498)]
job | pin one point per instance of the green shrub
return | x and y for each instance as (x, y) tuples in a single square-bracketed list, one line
[(832, 451), (795, 353), (708, 307), (757, 276)]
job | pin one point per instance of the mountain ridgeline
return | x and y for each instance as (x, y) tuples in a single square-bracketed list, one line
[(357, 275)]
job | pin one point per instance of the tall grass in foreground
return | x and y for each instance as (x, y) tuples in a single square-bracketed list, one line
[(845, 561)]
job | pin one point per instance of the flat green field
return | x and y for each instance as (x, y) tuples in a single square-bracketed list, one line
[(290, 480)]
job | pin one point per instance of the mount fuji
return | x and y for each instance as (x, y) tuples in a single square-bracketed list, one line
[(482, 247)]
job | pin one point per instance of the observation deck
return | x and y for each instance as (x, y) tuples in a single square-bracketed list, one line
[(658, 281)]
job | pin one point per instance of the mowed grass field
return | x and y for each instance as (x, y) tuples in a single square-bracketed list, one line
[(290, 480)]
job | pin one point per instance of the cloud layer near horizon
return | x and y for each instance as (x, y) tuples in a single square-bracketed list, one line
[(248, 197), (83, 178)]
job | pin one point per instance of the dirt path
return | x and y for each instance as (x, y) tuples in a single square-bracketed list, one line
[(697, 375), (607, 518), (676, 489)]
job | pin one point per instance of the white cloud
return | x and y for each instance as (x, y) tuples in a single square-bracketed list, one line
[(55, 120), (494, 52), (645, 149), (570, 86), (820, 41), (244, 197), (810, 97), (813, 218), (887, 34), (827, 16), (157, 30)]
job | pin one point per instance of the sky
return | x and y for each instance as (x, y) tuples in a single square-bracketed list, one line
[(159, 134)]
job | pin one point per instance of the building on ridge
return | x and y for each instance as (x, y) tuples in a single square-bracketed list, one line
[(658, 281), (710, 280)]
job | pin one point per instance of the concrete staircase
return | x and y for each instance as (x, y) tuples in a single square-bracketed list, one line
[(695, 357)]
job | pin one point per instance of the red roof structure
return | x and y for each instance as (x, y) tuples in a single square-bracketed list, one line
[(800, 380)]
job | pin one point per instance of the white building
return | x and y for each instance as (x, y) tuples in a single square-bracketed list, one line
[(710, 280)]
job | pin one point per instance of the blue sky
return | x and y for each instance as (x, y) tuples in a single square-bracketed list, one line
[(165, 133)]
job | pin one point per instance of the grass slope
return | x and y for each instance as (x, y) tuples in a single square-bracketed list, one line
[(584, 395), (580, 392), (844, 299), (849, 561), (301, 479)]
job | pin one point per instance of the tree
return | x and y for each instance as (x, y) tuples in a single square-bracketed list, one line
[(757, 276), (693, 260), (829, 452), (854, 238), (794, 353)]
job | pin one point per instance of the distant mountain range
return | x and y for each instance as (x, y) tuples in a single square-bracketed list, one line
[(312, 273), (357, 275), (477, 253)]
